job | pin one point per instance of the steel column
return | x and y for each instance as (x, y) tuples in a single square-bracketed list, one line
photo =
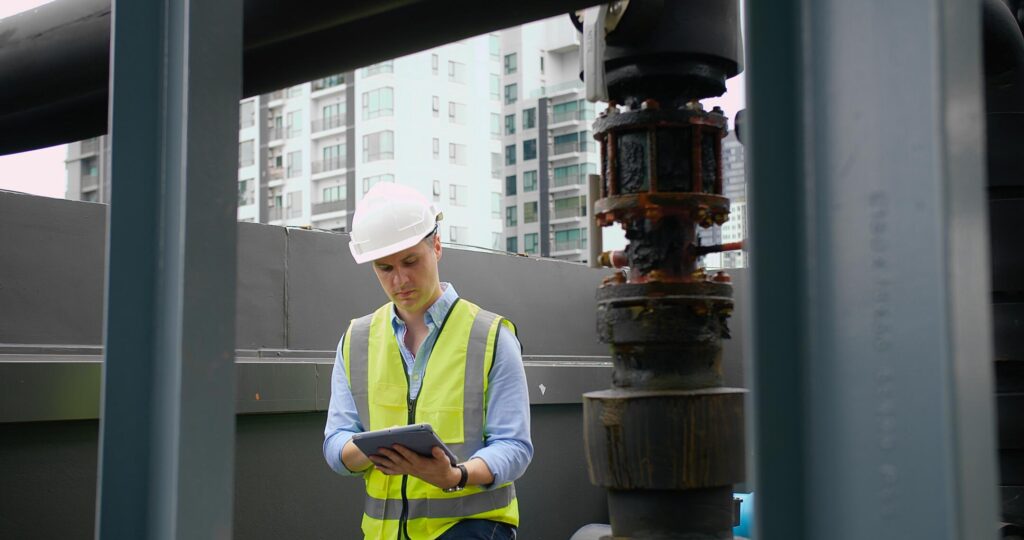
[(167, 417), (869, 244)]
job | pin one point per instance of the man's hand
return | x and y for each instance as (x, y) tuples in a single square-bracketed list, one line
[(436, 469)]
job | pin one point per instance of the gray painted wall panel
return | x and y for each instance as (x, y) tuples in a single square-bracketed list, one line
[(51, 286), (260, 321)]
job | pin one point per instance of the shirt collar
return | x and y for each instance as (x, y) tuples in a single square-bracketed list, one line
[(436, 313)]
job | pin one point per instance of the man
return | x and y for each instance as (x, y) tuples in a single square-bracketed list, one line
[(427, 356)]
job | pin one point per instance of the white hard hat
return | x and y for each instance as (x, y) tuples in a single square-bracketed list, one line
[(390, 218)]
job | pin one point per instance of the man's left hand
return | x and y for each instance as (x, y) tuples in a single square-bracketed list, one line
[(435, 469)]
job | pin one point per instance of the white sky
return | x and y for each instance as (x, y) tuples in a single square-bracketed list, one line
[(41, 172)]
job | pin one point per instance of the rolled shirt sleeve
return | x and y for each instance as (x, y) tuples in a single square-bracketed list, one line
[(342, 417), (508, 448)]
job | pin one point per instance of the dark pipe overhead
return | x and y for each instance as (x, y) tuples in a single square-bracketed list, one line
[(54, 60)]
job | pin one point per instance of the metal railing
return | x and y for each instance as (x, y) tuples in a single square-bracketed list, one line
[(331, 164), (568, 212), (567, 147), (571, 116), (329, 206), (329, 122), (568, 180)]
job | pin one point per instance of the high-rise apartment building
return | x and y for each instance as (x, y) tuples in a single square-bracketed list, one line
[(734, 186), (548, 146)]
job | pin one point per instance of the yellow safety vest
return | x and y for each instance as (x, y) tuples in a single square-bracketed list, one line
[(451, 399)]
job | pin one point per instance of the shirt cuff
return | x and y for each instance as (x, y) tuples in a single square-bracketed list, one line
[(332, 451)]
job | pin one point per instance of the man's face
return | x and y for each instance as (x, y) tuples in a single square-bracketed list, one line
[(409, 277)]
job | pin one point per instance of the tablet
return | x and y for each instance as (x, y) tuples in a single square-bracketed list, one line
[(419, 438)]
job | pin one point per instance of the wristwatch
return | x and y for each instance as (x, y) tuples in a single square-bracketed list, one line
[(462, 481)]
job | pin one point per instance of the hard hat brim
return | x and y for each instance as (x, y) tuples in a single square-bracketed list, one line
[(379, 253)]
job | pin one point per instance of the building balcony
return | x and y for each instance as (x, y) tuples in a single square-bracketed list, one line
[(332, 164), (334, 81), (89, 146), (274, 96), (571, 147), (569, 245), (275, 213), (329, 206), (247, 161), (567, 213), (275, 134), (275, 173), (330, 122), (90, 182), (571, 116), (568, 181)]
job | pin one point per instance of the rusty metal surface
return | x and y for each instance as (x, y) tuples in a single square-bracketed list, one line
[(665, 439)]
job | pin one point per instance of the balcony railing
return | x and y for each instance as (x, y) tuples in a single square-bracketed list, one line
[(277, 95), (292, 172), (90, 181), (275, 213), (568, 212), (571, 116), (330, 122), (328, 82), (331, 164), (276, 173), (330, 206), (274, 134), (568, 180), (246, 161), (567, 147), (566, 245), (90, 146)]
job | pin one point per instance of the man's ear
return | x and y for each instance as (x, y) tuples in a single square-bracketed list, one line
[(437, 246)]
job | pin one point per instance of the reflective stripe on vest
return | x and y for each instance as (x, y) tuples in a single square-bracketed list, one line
[(477, 503)]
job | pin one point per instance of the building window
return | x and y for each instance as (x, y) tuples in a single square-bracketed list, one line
[(457, 112), (332, 116), (570, 142), (512, 244), (377, 146), (530, 118), (570, 239), (510, 154), (495, 241), (510, 63), (437, 190), (379, 102), (495, 125), (332, 194), (294, 160), (293, 203), (510, 185), (496, 168), (571, 111), (510, 124), (371, 181), (529, 181), (530, 212), (459, 235), (456, 72), (377, 69), (495, 46), (437, 148), (511, 93), (495, 87), (333, 158), (570, 207), (457, 154), (433, 64), (571, 175), (511, 216), (246, 114), (541, 65), (294, 124), (529, 149), (530, 243), (458, 195), (495, 205), (246, 192), (295, 91), (246, 156)]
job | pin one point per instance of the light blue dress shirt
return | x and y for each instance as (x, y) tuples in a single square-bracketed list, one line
[(507, 446)]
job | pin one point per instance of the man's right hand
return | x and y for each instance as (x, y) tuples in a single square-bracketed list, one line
[(353, 458)]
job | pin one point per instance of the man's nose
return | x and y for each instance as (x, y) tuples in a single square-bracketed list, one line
[(401, 277)]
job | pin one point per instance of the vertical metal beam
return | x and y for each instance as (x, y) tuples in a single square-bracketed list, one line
[(167, 425), (873, 380)]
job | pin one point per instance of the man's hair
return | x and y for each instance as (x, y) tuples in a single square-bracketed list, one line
[(430, 237)]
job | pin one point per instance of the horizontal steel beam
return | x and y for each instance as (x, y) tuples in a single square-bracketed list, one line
[(55, 59), (45, 383)]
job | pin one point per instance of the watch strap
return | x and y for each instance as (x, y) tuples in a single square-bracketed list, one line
[(462, 480)]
